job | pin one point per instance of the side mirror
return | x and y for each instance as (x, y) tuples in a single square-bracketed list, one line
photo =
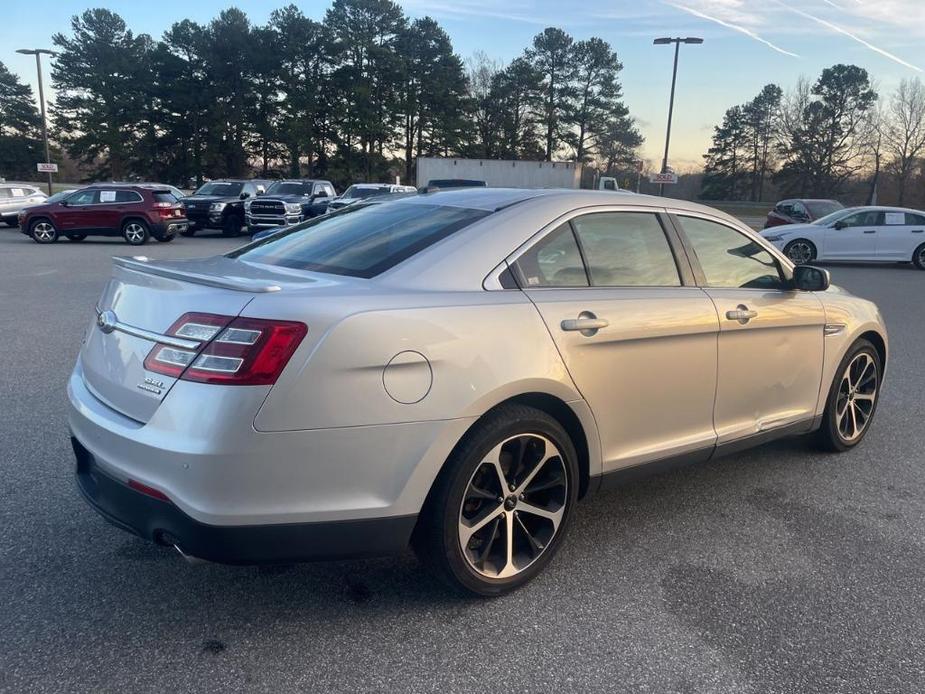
[(63, 203), (808, 278), (244, 196), (839, 225)]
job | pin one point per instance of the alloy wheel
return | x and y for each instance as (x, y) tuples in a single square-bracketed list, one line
[(44, 232), (857, 394), (513, 506), (134, 233), (800, 252)]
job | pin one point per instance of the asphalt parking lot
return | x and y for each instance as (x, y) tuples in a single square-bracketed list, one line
[(777, 570)]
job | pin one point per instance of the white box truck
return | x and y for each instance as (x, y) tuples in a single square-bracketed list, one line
[(499, 173)]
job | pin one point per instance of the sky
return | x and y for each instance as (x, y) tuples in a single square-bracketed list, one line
[(747, 44)]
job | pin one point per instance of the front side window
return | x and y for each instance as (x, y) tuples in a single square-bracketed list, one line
[(83, 197), (869, 218), (554, 261), (728, 258), (626, 249), (360, 241)]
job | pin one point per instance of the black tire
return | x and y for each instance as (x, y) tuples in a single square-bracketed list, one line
[(840, 398), (437, 536), (76, 238), (43, 230), (136, 232), (918, 257), (795, 247), (231, 227)]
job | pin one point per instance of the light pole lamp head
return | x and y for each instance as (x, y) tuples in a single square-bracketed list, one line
[(662, 41), (693, 39), (35, 51)]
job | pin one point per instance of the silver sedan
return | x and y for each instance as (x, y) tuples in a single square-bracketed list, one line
[(453, 371)]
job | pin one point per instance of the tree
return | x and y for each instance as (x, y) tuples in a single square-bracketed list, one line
[(904, 132), (485, 136), (761, 117), (516, 94), (597, 93), (725, 169), (20, 123), (823, 143), (100, 76), (552, 55)]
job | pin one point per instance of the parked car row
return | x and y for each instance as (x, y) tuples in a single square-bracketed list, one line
[(16, 197)]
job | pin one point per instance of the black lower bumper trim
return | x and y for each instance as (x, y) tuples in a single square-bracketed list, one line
[(162, 522)]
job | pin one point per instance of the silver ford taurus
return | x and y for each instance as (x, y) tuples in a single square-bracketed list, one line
[(453, 371)]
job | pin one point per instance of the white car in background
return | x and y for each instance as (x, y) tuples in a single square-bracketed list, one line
[(15, 197), (878, 234)]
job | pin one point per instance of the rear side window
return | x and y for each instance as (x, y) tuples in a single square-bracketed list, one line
[(554, 261), (6, 193), (165, 197), (125, 196), (728, 258), (360, 241), (915, 219), (626, 249)]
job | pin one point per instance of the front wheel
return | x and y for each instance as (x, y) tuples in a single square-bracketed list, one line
[(852, 399), (499, 509), (135, 232), (800, 251), (43, 231), (918, 257)]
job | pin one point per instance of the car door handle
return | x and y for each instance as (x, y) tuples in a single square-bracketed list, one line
[(587, 324), (742, 314), (870, 231), (917, 231)]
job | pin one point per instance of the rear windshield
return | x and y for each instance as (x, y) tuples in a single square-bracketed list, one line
[(354, 193), (360, 241), (820, 208), (164, 196), (220, 188)]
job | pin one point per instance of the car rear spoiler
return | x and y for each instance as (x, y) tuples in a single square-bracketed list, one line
[(140, 263)]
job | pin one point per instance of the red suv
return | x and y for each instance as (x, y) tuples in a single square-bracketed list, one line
[(134, 212)]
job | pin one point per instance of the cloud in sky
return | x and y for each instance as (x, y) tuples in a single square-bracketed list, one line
[(731, 25)]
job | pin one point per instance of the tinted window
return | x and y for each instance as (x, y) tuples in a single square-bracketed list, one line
[(915, 219), (128, 196), (820, 208), (220, 188), (554, 261), (165, 197), (626, 249), (729, 258), (360, 241), (290, 188), (83, 197), (869, 218)]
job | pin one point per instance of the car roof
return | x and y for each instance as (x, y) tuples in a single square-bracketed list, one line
[(114, 184), (881, 208)]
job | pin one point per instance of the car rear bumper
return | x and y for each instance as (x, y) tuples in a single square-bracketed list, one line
[(162, 522), (169, 227)]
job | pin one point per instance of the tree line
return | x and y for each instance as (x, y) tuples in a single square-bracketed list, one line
[(356, 96), (825, 139)]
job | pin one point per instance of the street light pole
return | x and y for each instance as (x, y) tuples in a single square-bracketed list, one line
[(37, 52), (674, 77)]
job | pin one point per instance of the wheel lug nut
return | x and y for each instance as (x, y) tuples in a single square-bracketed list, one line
[(521, 497), (511, 487)]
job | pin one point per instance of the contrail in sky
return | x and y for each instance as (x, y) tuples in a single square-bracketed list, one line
[(734, 27), (845, 32)]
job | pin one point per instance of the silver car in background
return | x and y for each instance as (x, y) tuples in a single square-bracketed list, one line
[(15, 197), (453, 371)]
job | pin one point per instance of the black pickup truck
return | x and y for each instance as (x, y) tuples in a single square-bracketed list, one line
[(220, 205), (288, 202)]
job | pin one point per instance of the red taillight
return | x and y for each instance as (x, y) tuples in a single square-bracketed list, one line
[(233, 351), (148, 491)]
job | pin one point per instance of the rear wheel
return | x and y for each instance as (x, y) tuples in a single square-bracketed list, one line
[(852, 399), (135, 232), (231, 226), (76, 237), (499, 509), (918, 258), (800, 251), (43, 231)]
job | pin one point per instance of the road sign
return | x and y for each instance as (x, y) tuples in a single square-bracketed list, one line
[(47, 167), (664, 178)]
